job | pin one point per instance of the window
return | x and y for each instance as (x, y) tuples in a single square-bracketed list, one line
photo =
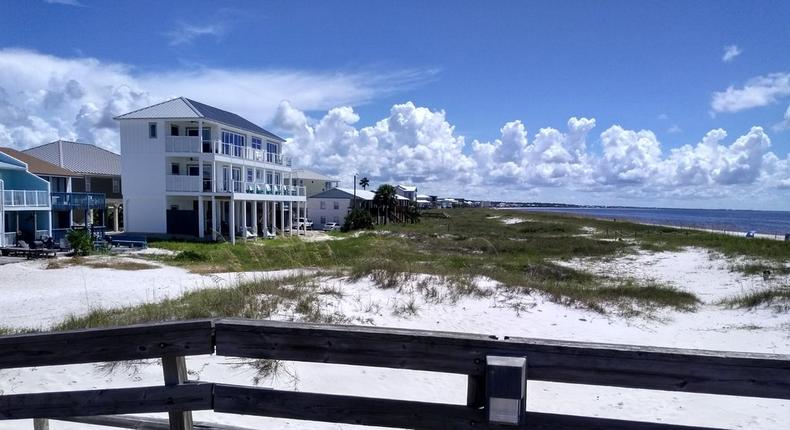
[(116, 185), (337, 205), (256, 143), (323, 204), (258, 175), (272, 147), (175, 169), (193, 170), (269, 178), (152, 130), (250, 175), (323, 220), (87, 185), (174, 130), (277, 178), (232, 143)]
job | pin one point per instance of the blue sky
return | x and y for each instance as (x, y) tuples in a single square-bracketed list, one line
[(648, 65)]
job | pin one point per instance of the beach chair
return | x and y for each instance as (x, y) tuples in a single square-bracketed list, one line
[(268, 189)]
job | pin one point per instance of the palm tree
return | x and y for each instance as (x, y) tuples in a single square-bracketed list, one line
[(386, 199), (364, 182)]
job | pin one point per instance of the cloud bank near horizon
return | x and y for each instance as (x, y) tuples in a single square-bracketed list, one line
[(44, 97), (416, 144)]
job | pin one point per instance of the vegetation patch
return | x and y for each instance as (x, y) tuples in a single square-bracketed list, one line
[(776, 297), (260, 299)]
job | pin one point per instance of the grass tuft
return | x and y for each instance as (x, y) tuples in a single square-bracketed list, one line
[(777, 297)]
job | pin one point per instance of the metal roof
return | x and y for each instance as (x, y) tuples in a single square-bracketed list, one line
[(312, 175), (36, 165), (175, 108), (78, 157), (185, 108), (344, 193)]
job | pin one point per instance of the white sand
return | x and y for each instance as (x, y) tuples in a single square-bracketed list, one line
[(503, 313)]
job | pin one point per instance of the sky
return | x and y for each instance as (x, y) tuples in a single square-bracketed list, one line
[(651, 103)]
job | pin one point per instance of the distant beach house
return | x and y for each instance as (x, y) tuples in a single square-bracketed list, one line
[(95, 189), (407, 191), (424, 201), (196, 170), (333, 205), (25, 208), (313, 182)]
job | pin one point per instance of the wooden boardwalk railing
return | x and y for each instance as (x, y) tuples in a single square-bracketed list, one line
[(494, 391)]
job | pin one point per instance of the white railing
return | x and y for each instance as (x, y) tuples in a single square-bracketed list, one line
[(9, 239), (194, 144), (183, 183), (41, 233), (189, 144), (25, 198), (268, 189)]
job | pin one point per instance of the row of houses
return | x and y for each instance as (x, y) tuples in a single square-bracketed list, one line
[(188, 169)]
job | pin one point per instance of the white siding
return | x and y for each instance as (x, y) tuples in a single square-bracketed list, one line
[(143, 176), (329, 212)]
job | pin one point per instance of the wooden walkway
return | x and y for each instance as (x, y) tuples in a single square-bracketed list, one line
[(497, 370)]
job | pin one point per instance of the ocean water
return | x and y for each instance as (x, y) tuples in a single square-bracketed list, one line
[(767, 222)]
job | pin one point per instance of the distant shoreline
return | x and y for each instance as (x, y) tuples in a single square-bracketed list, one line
[(578, 212)]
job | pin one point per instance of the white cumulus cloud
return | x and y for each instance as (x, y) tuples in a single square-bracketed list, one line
[(45, 97), (758, 91)]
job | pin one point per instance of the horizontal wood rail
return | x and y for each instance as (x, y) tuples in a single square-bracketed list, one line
[(666, 369)]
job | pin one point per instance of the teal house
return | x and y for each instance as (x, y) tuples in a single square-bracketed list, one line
[(25, 207)]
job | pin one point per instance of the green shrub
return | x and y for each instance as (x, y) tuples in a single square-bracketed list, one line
[(80, 241), (358, 219)]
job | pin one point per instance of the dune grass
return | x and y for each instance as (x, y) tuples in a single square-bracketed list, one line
[(776, 297), (469, 243), (99, 263), (258, 299)]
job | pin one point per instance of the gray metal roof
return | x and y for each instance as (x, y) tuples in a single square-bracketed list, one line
[(183, 107), (79, 157), (344, 193), (311, 175), (175, 108)]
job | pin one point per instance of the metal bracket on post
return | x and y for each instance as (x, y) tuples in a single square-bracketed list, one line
[(175, 372), (506, 390)]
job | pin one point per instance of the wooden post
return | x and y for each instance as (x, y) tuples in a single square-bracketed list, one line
[(40, 424), (175, 373), (506, 390)]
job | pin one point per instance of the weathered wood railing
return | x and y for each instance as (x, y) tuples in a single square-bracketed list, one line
[(739, 374)]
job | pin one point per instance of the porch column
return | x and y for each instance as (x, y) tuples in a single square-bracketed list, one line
[(214, 215), (255, 218), (282, 217), (232, 220), (304, 216), (291, 217), (244, 219), (116, 212), (213, 176), (35, 225), (265, 207), (49, 213), (201, 219)]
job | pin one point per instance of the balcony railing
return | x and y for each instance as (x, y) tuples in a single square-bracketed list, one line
[(25, 198), (268, 189), (68, 201), (184, 183), (194, 145)]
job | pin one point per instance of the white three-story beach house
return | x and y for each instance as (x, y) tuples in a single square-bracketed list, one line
[(196, 170)]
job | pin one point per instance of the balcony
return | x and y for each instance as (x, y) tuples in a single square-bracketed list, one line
[(69, 201), (268, 189), (195, 145), (184, 183), (25, 199)]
